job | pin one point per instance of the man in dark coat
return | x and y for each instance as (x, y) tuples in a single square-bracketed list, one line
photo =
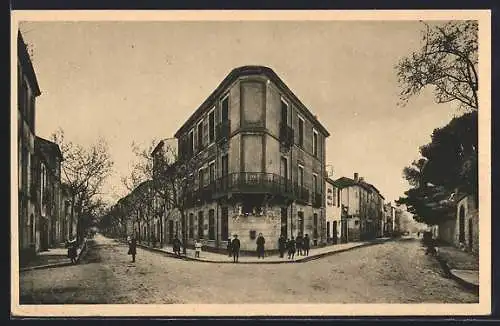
[(176, 246), (299, 241), (306, 244), (132, 248), (260, 245), (235, 246), (291, 248), (282, 245)]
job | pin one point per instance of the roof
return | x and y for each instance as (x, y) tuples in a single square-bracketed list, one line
[(245, 71), (25, 61), (345, 182)]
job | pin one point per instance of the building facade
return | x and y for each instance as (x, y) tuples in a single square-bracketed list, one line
[(259, 158), (333, 212), (47, 160), (389, 220), (27, 92), (363, 207)]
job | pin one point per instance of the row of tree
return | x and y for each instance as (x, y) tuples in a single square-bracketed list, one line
[(447, 62)]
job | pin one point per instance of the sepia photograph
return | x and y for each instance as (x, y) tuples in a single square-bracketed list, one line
[(258, 163)]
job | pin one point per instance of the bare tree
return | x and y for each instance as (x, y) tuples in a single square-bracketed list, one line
[(447, 61), (84, 172)]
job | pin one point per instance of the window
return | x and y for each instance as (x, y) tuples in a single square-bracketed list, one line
[(301, 132), (191, 141), (211, 172), (301, 176), (211, 224), (191, 225), (211, 127), (224, 165), (225, 109), (284, 112), (200, 224), (339, 192), (315, 143), (200, 135), (315, 183), (200, 178), (300, 225)]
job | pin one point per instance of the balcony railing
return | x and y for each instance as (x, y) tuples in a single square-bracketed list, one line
[(222, 131), (254, 182), (286, 135)]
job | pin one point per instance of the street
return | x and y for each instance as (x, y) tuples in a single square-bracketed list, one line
[(393, 272)]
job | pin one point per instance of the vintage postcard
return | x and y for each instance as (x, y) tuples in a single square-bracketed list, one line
[(250, 163)]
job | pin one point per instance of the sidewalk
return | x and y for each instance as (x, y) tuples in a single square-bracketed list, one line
[(461, 266), (314, 253), (54, 257)]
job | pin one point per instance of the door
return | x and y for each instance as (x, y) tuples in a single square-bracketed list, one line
[(328, 237), (334, 232), (170, 231), (284, 221), (461, 225), (224, 224), (343, 231)]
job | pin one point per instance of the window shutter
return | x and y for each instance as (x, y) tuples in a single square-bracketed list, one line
[(205, 130)]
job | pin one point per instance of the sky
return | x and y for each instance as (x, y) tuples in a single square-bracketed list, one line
[(138, 81)]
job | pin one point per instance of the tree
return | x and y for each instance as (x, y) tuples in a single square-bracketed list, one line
[(84, 172), (448, 165), (447, 61)]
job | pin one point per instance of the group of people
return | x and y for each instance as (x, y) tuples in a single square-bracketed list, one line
[(299, 245)]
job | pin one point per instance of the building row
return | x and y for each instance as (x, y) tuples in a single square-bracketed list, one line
[(254, 160), (43, 201)]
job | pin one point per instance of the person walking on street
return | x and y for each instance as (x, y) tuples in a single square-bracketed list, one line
[(72, 250), (291, 248), (260, 246), (299, 241), (282, 245), (197, 248), (235, 246), (229, 248), (306, 244), (176, 246), (132, 248)]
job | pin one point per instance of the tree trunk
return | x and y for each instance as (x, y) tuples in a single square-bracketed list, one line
[(184, 233)]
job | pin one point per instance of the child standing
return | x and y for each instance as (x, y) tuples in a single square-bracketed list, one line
[(197, 248)]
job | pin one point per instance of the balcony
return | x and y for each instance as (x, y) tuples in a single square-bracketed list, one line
[(222, 131), (286, 135), (301, 194), (253, 183)]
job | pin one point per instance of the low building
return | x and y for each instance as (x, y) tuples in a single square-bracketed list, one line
[(362, 205), (333, 212)]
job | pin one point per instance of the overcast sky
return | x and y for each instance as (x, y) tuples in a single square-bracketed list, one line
[(138, 81)]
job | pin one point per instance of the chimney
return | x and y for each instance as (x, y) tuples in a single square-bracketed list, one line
[(356, 176), (361, 179)]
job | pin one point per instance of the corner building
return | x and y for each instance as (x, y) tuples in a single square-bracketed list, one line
[(260, 158)]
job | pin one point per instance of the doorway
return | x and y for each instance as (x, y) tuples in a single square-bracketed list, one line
[(461, 225), (284, 221), (343, 231), (334, 232)]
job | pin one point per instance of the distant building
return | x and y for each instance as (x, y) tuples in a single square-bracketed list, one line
[(333, 212), (27, 91), (362, 204), (389, 220), (260, 156)]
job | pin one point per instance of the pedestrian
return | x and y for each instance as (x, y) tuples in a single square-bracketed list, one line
[(291, 248), (197, 248), (282, 245), (176, 246), (229, 249), (299, 241), (132, 248), (72, 250), (235, 246), (306, 244), (260, 246)]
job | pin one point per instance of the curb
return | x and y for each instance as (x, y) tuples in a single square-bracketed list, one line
[(63, 264), (301, 260), (447, 271)]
